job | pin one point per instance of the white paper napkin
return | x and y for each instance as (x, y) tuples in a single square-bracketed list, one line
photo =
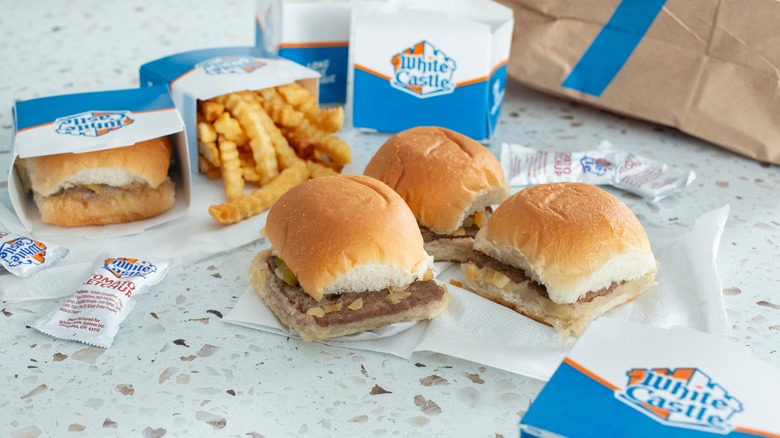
[(186, 240), (688, 294)]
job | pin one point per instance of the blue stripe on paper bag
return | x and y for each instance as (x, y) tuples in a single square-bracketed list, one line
[(613, 46)]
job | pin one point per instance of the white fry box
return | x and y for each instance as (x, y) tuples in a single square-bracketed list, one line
[(625, 379), (313, 33), (86, 122), (427, 62), (208, 73)]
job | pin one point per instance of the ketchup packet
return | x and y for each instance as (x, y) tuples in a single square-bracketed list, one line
[(22, 256), (93, 314), (606, 165)]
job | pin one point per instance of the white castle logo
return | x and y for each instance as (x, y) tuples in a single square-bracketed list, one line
[(125, 267), (423, 71), (23, 251), (225, 65), (682, 397), (92, 123)]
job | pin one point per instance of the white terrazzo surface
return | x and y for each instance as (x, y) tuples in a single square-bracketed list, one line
[(177, 370)]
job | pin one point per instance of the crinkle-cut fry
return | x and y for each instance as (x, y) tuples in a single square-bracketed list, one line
[(301, 143), (297, 96), (232, 212), (210, 152), (285, 155), (250, 174), (335, 148), (230, 128), (283, 114), (271, 95), (231, 169), (233, 99), (211, 109), (250, 116), (203, 164), (328, 119), (317, 170), (206, 132)]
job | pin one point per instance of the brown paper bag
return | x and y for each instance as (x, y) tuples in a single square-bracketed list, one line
[(710, 68)]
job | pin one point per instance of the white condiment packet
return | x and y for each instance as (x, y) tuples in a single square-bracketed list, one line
[(93, 314), (23, 256), (606, 165)]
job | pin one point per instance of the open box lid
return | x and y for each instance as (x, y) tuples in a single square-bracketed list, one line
[(78, 123), (204, 74), (208, 73)]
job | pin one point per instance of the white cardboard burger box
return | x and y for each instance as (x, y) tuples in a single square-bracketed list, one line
[(208, 73), (77, 123), (313, 33), (627, 379), (429, 62)]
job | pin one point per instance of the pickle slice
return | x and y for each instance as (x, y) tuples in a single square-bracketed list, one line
[(284, 273)]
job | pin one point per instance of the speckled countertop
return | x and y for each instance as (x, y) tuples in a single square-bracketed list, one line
[(176, 369)]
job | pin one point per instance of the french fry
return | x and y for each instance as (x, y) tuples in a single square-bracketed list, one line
[(250, 174), (235, 211), (281, 112), (329, 120), (210, 152), (263, 151), (231, 169), (275, 137), (211, 109), (307, 135), (317, 170), (296, 95), (206, 132), (231, 129)]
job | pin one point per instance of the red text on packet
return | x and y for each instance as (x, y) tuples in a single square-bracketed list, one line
[(125, 287)]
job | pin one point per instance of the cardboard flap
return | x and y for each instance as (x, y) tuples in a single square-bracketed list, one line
[(93, 121), (204, 74)]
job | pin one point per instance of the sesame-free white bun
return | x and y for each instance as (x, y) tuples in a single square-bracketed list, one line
[(101, 187), (572, 238), (584, 247), (442, 175), (346, 233)]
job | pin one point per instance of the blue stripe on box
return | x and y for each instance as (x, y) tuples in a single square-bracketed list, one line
[(39, 111), (613, 46)]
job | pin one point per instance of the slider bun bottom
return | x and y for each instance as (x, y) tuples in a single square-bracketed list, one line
[(567, 319), (450, 250), (81, 207), (262, 280)]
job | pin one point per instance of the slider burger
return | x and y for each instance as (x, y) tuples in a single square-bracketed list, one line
[(448, 180), (346, 256), (562, 254), (102, 187)]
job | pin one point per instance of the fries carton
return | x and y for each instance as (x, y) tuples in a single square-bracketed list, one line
[(439, 63), (78, 123), (208, 73), (312, 33), (626, 379)]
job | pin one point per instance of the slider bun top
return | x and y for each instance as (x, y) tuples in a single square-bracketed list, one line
[(573, 238), (346, 233), (442, 175), (144, 162)]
